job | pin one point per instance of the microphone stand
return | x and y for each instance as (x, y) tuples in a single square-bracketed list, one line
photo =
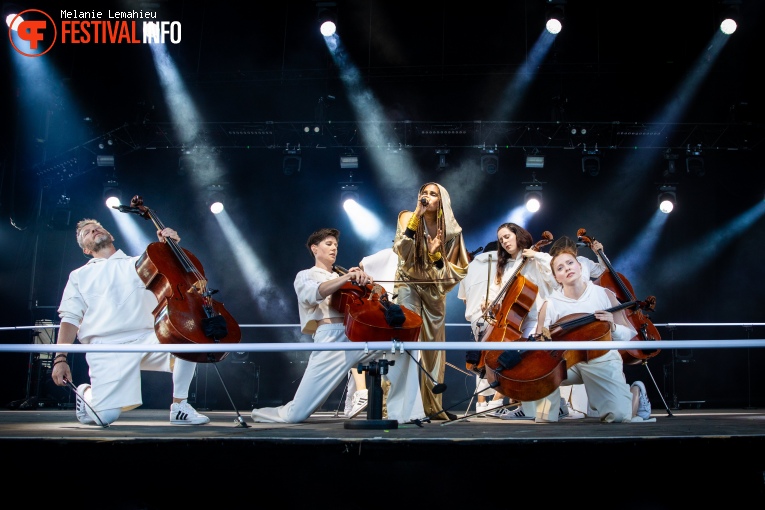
[(375, 370), (437, 386)]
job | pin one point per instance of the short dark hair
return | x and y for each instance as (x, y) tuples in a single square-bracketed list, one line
[(321, 235)]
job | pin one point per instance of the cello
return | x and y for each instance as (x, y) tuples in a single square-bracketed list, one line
[(186, 312), (513, 303), (532, 375), (369, 316), (619, 285)]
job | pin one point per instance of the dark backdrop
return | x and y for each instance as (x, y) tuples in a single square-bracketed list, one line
[(449, 65)]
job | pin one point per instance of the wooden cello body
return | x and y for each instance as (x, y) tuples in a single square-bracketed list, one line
[(619, 285), (370, 317), (539, 372), (185, 313), (517, 299)]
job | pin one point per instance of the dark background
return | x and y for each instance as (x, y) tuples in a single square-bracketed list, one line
[(615, 68)]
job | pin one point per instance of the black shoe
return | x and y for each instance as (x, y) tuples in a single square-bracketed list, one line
[(451, 416)]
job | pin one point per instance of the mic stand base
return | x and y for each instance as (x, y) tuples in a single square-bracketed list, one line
[(374, 420)]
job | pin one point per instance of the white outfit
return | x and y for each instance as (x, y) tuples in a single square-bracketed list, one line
[(110, 304), (575, 394), (603, 377), (326, 369), (482, 273)]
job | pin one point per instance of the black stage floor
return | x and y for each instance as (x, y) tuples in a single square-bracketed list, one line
[(687, 456)]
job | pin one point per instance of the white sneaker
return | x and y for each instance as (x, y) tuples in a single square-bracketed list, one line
[(494, 404), (573, 414), (515, 414), (563, 409), (567, 412), (644, 405), (181, 413), (80, 410), (481, 407), (359, 402)]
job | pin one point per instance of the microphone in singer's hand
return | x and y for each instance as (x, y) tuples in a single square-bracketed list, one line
[(424, 201)]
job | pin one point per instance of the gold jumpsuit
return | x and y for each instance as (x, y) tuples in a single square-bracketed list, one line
[(429, 299)]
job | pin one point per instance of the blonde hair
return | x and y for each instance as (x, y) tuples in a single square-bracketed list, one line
[(82, 224)]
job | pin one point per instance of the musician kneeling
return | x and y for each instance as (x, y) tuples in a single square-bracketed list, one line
[(326, 369), (603, 377), (105, 302)]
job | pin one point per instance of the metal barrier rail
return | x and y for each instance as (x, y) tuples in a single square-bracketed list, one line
[(389, 346)]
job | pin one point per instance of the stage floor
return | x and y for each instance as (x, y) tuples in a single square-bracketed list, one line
[(693, 455)]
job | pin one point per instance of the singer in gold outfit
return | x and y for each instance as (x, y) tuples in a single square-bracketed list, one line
[(432, 260)]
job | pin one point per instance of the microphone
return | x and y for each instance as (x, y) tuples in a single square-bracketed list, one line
[(424, 201)]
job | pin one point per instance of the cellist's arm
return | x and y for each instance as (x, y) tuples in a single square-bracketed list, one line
[(541, 318), (354, 274)]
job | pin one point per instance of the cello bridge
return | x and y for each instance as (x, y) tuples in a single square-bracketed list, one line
[(199, 286)]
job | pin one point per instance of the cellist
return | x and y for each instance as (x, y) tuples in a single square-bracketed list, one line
[(603, 377), (106, 302), (515, 251), (327, 369)]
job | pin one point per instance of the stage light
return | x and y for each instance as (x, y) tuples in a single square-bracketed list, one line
[(292, 160), (729, 16), (62, 213), (694, 162), (536, 160), (349, 161), (667, 198), (112, 193), (11, 15), (441, 153), (215, 198), (554, 15), (489, 161), (591, 162), (104, 160), (349, 192), (533, 196), (327, 18), (670, 166)]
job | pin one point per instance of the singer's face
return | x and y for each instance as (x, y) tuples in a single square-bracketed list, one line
[(430, 193)]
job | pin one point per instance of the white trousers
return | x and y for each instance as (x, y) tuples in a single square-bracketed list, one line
[(326, 369)]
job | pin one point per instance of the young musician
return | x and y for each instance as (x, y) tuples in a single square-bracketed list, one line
[(603, 377), (326, 369)]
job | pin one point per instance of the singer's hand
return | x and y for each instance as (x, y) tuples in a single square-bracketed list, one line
[(434, 242)]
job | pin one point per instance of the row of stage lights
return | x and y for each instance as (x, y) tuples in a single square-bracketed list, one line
[(350, 191), (554, 16)]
